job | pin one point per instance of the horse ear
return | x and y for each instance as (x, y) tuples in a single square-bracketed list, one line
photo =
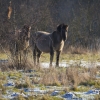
[(26, 27), (59, 27)]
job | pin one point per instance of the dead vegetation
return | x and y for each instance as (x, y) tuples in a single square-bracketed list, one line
[(72, 76)]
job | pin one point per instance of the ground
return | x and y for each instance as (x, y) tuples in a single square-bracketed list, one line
[(76, 77)]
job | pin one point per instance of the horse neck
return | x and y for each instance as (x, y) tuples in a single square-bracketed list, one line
[(57, 38)]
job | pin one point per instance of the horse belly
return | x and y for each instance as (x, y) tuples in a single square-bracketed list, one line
[(43, 46)]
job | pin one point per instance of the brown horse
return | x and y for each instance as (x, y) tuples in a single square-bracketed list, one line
[(19, 42), (49, 42)]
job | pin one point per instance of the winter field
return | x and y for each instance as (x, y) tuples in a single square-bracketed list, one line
[(77, 78)]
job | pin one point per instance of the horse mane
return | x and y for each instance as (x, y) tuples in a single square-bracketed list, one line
[(54, 34)]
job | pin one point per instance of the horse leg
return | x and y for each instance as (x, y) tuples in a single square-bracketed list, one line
[(38, 56), (34, 54), (51, 55), (25, 54), (20, 59), (57, 58), (25, 58), (17, 54), (17, 60)]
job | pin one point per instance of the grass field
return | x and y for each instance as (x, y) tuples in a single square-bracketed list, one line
[(63, 57), (71, 76)]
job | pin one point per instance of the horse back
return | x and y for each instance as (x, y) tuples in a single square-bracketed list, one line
[(42, 40)]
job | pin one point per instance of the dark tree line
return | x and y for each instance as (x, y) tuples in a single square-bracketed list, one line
[(82, 16)]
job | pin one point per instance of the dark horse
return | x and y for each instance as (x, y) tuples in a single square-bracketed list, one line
[(49, 42), (19, 42)]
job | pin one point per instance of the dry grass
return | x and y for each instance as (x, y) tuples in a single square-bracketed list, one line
[(53, 76), (71, 76), (65, 76), (77, 50)]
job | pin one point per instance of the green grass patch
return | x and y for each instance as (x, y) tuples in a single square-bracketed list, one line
[(15, 75), (81, 88), (85, 57), (3, 56), (45, 57), (46, 97), (95, 83)]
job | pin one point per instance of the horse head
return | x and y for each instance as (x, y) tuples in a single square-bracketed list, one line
[(25, 36), (26, 31), (63, 29)]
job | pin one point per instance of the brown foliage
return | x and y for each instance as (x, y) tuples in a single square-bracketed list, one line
[(9, 11)]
